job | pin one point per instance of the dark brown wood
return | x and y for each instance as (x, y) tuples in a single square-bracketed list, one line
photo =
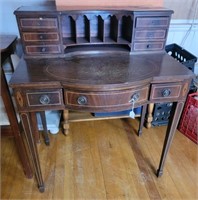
[(103, 26), (14, 129), (44, 123), (173, 122), (109, 60), (142, 119), (7, 46), (27, 119)]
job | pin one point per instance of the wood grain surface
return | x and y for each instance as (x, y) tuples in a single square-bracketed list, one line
[(97, 161)]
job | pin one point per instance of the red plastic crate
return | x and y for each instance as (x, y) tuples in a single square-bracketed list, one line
[(189, 120)]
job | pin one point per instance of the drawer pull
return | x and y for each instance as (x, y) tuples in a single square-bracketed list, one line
[(135, 97), (166, 92), (41, 37), (150, 35), (148, 46), (44, 99), (82, 100), (43, 49)]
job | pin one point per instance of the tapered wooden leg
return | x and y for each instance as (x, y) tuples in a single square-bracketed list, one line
[(65, 122), (26, 119), (149, 117), (36, 133), (172, 125), (23, 155), (44, 123), (143, 112)]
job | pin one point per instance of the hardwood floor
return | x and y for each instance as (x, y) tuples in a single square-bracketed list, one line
[(105, 160)]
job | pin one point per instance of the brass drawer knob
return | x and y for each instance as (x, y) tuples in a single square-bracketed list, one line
[(148, 46), (43, 49), (44, 99), (41, 37), (166, 92), (82, 100)]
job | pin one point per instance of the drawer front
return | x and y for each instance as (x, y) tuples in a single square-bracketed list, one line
[(104, 99), (44, 98), (43, 49), (39, 37), (165, 91), (148, 46), (152, 22), (39, 23), (150, 34)]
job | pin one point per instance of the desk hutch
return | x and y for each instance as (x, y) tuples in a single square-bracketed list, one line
[(95, 60)]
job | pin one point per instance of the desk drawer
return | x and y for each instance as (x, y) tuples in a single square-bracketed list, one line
[(111, 100), (39, 37), (150, 34), (39, 23), (44, 98), (165, 91), (148, 46), (43, 49), (152, 22)]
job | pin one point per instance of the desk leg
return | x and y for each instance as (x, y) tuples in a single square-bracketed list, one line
[(27, 119), (65, 122), (142, 119), (150, 115), (44, 123), (173, 121)]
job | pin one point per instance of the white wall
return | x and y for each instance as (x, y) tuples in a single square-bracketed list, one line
[(185, 34), (182, 32), (8, 23)]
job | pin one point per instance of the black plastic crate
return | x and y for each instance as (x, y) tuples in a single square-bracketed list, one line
[(161, 111), (161, 114), (182, 55)]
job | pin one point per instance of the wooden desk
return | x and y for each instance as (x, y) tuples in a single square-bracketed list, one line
[(87, 70)]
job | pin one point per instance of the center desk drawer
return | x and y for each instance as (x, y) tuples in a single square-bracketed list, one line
[(112, 100), (165, 92)]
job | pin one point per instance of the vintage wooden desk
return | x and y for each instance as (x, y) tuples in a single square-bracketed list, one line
[(95, 60)]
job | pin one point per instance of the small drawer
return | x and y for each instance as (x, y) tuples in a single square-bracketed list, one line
[(44, 98), (43, 49), (111, 100), (39, 23), (165, 91), (150, 34), (36, 37), (152, 22), (148, 46)]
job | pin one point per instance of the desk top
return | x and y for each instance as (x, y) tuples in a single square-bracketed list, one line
[(99, 71), (6, 41)]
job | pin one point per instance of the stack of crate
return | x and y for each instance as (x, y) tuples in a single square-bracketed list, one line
[(161, 111)]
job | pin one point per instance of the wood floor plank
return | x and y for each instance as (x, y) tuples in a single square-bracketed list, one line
[(105, 160), (88, 177)]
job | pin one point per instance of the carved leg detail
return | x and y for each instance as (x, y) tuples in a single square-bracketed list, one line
[(149, 117), (142, 119), (27, 119), (65, 122), (44, 123), (172, 125)]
